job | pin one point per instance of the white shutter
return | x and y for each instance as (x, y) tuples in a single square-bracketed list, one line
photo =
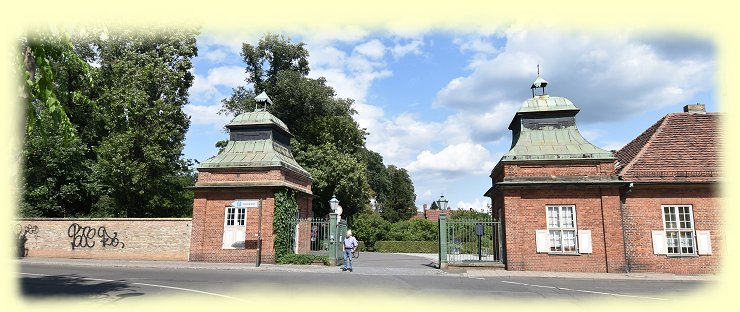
[(584, 241), (703, 243), (542, 238), (660, 244)]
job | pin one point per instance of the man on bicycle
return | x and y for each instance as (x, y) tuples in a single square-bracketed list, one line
[(350, 243)]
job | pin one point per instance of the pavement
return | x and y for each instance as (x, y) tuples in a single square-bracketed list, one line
[(368, 264)]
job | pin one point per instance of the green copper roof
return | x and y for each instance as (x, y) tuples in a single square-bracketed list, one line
[(254, 154), (546, 103), (256, 119), (540, 136), (554, 143)]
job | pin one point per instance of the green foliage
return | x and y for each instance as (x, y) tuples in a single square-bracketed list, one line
[(334, 173), (413, 230), (301, 259), (123, 156), (434, 206), (398, 203), (370, 227), (46, 58), (469, 215), (407, 246), (286, 208)]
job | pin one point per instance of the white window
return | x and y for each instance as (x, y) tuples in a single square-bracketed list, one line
[(678, 223), (561, 227), (234, 227)]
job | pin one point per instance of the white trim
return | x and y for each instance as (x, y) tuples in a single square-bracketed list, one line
[(703, 243), (660, 243), (678, 230), (584, 241), (561, 228)]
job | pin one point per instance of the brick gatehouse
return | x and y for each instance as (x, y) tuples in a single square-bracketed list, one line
[(234, 195), (567, 205)]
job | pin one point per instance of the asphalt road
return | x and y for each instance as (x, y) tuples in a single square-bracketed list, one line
[(402, 275)]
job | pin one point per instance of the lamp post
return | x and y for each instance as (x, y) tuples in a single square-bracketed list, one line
[(333, 203), (333, 234), (442, 203)]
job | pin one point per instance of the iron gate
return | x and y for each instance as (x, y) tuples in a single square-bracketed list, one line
[(320, 237), (470, 241)]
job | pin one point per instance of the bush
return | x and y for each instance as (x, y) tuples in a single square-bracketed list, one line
[(370, 227), (407, 246), (413, 230), (301, 259)]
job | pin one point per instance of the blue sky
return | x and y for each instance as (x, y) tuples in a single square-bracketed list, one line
[(438, 103)]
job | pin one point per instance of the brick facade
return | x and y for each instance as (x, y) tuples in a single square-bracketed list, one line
[(128, 239), (597, 209), (643, 214), (208, 224)]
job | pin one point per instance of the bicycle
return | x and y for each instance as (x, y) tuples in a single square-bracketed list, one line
[(355, 253)]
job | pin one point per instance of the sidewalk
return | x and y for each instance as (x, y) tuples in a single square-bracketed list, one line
[(471, 272)]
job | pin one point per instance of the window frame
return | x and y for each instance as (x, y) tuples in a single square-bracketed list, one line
[(562, 230), (679, 230)]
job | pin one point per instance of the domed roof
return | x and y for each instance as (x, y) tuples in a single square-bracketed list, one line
[(546, 103), (260, 118)]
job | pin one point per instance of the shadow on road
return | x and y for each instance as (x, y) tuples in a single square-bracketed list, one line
[(73, 286)]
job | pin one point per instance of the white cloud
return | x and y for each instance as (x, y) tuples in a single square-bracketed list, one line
[(215, 56), (413, 47), (479, 204), (207, 115), (373, 49), (608, 76), (463, 158), (205, 88)]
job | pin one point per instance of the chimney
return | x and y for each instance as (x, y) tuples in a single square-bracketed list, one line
[(694, 109)]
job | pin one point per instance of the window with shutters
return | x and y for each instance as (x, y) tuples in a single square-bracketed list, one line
[(561, 227), (678, 223)]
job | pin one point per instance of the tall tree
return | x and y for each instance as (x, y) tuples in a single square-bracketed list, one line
[(121, 152), (58, 89), (399, 204), (145, 77)]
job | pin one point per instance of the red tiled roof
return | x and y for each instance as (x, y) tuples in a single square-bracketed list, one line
[(680, 147)]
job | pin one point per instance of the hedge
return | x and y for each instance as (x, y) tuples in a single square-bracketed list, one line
[(407, 246)]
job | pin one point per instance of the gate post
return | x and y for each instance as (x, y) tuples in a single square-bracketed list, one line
[(442, 228), (333, 237)]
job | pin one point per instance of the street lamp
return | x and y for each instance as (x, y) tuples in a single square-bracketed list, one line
[(373, 202), (442, 203), (333, 203)]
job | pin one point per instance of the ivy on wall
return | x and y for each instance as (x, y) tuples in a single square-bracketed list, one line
[(286, 208)]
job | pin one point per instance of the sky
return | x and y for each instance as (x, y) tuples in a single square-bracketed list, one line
[(438, 103)]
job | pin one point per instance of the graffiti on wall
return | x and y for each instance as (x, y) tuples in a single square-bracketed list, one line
[(24, 231), (86, 236)]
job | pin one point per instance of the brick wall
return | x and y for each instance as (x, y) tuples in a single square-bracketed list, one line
[(234, 175), (559, 169), (524, 213), (129, 239), (643, 214)]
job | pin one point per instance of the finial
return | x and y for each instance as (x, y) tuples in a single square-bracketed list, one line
[(539, 82), (262, 98)]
